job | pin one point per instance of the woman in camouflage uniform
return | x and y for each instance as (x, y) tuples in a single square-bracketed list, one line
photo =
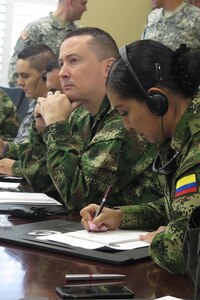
[(154, 89)]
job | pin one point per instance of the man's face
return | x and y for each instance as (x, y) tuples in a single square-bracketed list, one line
[(78, 7), (29, 80), (82, 75), (53, 81), (157, 3)]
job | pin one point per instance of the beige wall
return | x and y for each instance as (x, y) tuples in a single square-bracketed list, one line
[(123, 19)]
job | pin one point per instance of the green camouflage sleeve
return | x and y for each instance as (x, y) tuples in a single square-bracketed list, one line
[(81, 167), (17, 169), (8, 120), (13, 151), (145, 216), (33, 162)]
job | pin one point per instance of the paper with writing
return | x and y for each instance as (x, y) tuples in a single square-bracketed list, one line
[(95, 240)]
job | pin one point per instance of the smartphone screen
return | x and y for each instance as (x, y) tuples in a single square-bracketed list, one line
[(95, 292)]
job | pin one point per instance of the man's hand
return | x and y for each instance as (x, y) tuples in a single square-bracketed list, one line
[(56, 107), (6, 166)]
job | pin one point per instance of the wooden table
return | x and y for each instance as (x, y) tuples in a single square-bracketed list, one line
[(26, 272)]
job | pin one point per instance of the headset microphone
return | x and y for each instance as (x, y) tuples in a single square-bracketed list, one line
[(157, 102)]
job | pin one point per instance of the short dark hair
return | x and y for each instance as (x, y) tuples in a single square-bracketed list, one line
[(101, 43), (180, 70), (50, 66), (37, 55)]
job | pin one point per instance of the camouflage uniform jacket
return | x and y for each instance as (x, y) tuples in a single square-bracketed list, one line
[(8, 120), (182, 27), (21, 137), (46, 30), (181, 194), (86, 155)]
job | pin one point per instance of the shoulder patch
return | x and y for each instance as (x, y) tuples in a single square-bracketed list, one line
[(24, 35), (186, 185)]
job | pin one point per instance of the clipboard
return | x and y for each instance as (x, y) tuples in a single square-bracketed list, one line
[(26, 235)]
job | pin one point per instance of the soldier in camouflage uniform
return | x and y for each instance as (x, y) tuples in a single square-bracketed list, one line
[(8, 120), (164, 96), (50, 30), (92, 150), (173, 23), (30, 66)]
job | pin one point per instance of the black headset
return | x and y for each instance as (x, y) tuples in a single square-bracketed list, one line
[(157, 102)]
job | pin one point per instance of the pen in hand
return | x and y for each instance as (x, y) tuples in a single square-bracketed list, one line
[(101, 206)]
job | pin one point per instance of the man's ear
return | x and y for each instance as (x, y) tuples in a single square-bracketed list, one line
[(109, 62)]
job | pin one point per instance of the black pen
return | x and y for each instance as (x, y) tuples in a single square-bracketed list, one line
[(103, 201)]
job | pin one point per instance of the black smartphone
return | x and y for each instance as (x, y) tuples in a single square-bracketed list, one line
[(95, 292)]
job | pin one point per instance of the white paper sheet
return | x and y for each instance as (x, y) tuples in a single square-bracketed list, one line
[(27, 198), (95, 240), (8, 185), (168, 298)]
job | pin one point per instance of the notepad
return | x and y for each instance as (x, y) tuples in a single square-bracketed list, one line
[(27, 198), (116, 239)]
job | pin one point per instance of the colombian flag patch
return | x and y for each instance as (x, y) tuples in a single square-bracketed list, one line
[(186, 185)]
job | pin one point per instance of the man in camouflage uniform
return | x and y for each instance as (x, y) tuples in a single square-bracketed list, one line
[(30, 66), (173, 23), (8, 120), (83, 156), (50, 30)]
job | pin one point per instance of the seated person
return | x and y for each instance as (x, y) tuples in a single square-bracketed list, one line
[(8, 120), (153, 83), (30, 66), (86, 150), (51, 76)]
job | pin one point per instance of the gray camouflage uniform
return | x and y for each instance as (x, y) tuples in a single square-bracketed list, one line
[(181, 27), (46, 30)]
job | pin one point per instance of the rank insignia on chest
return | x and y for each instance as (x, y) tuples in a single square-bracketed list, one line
[(186, 185)]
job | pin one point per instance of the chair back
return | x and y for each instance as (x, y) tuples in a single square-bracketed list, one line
[(19, 100)]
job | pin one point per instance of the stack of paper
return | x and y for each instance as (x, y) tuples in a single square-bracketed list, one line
[(27, 198)]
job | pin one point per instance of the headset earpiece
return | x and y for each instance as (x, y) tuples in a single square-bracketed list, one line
[(157, 102)]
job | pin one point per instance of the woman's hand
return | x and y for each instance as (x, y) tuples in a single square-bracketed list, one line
[(6, 166), (149, 236), (108, 219)]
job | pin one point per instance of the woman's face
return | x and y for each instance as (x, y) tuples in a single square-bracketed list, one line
[(136, 115)]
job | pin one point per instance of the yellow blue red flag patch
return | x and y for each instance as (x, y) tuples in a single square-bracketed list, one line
[(186, 185)]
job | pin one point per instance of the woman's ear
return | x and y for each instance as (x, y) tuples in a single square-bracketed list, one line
[(157, 101), (155, 90)]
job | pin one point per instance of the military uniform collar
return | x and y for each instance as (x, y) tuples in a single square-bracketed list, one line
[(187, 126), (103, 109), (177, 16), (56, 23)]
